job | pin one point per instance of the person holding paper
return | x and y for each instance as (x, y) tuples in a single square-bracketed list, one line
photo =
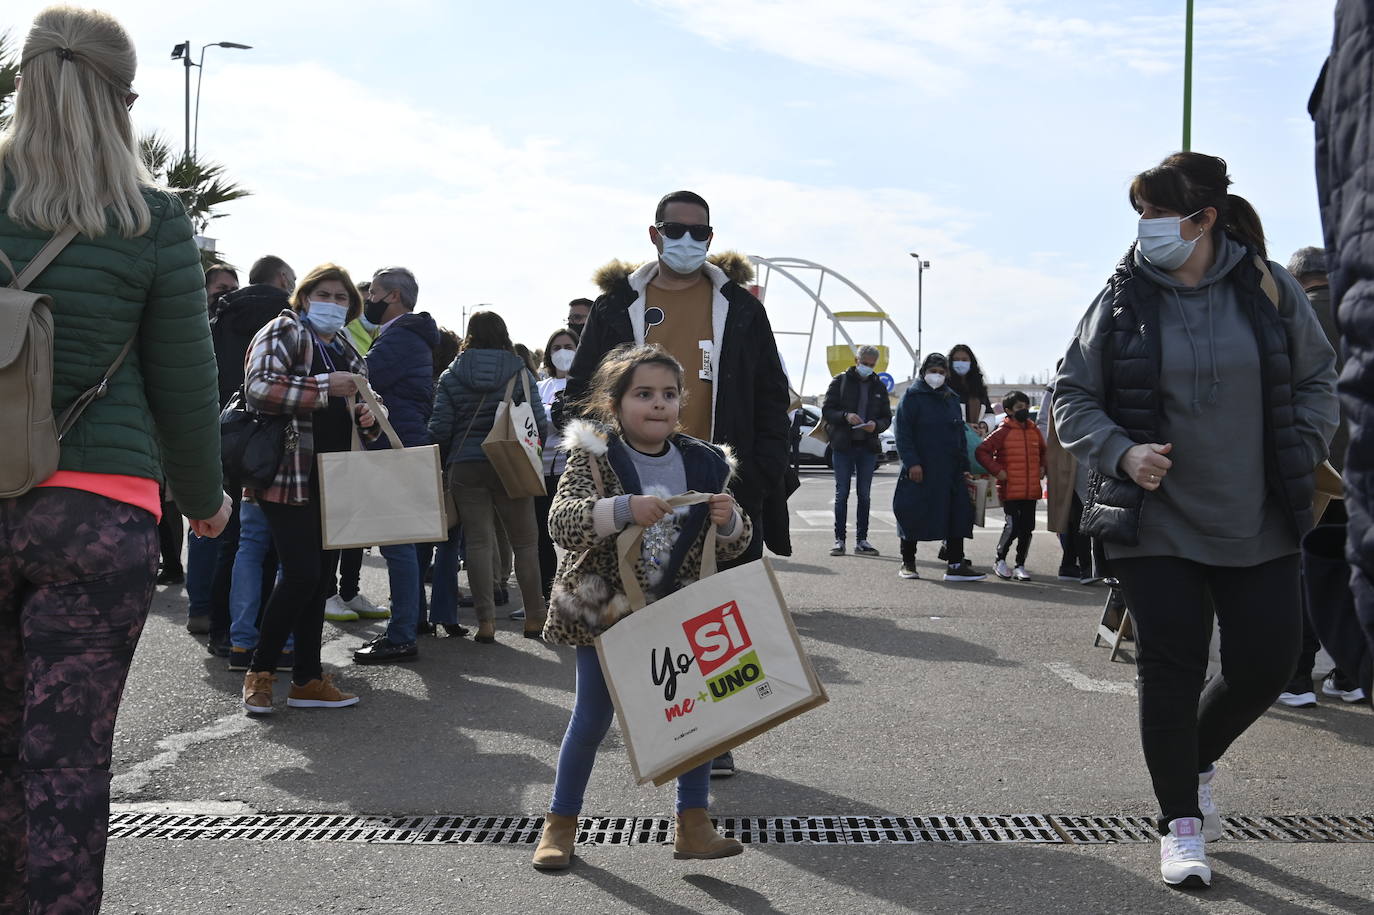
[(856, 412), (621, 470)]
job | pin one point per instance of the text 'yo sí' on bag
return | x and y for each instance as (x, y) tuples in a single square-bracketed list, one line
[(384, 497), (31, 445), (513, 447), (712, 666)]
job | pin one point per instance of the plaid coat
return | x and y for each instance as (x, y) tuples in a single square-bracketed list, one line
[(277, 379)]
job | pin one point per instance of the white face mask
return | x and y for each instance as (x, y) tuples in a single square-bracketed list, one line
[(326, 317), (562, 359), (863, 370), (960, 366), (683, 255), (1162, 242), (935, 380)]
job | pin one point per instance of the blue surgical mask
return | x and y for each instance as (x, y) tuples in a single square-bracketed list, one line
[(683, 255), (1162, 242), (961, 366), (863, 370), (326, 317)]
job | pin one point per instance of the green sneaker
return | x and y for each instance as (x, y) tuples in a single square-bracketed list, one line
[(366, 609), (336, 611)]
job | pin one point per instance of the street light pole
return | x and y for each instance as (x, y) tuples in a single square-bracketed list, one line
[(195, 137), (182, 52), (921, 267), (1188, 80)]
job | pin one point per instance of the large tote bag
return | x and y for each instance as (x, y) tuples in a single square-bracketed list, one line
[(705, 669), (513, 445), (378, 498)]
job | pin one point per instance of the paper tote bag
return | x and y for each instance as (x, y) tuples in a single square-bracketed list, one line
[(705, 669), (513, 445), (379, 498)]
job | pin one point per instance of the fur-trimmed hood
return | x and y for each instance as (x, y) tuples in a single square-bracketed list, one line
[(736, 267), (595, 438)]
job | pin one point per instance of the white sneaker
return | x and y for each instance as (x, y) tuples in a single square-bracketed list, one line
[(1211, 816), (908, 572), (336, 611), (1020, 574), (1002, 569), (1298, 700), (1183, 854), (365, 608), (1330, 687)]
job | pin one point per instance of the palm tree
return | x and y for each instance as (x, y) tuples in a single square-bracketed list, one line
[(202, 186), (9, 69)]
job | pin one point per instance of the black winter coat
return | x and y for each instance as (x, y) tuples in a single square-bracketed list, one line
[(241, 314), (842, 398), (1345, 147), (752, 393), (400, 366)]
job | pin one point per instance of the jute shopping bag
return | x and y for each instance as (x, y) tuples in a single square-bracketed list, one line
[(378, 498), (705, 669), (513, 445)]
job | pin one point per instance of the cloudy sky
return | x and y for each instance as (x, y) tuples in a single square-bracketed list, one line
[(504, 151)]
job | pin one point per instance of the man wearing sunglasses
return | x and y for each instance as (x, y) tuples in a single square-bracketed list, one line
[(702, 313)]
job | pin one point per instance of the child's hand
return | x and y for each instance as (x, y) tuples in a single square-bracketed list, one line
[(647, 510), (722, 506), (1001, 476)]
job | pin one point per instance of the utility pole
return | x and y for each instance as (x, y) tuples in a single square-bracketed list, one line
[(1188, 81), (921, 267)]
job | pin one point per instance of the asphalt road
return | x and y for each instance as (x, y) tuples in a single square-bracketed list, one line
[(984, 698)]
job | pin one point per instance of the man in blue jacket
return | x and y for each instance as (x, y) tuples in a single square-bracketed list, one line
[(400, 366)]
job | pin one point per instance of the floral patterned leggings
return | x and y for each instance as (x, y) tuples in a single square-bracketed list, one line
[(77, 576)]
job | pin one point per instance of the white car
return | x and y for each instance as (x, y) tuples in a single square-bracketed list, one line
[(814, 451)]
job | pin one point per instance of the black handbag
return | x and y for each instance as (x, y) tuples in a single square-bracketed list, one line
[(251, 444)]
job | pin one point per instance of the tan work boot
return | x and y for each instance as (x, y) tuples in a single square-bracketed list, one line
[(321, 693), (257, 692), (556, 843), (697, 838)]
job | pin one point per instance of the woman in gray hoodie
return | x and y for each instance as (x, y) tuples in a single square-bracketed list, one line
[(1199, 392)]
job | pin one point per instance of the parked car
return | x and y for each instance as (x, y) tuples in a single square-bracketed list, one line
[(813, 451)]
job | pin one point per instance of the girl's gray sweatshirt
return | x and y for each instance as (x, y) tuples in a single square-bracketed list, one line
[(1214, 505)]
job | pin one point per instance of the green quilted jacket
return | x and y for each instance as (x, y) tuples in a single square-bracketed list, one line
[(161, 411)]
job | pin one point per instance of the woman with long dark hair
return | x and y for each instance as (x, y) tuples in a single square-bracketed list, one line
[(464, 411), (1200, 393), (966, 381)]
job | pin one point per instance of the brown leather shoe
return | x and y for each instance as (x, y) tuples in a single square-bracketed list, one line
[(257, 692), (697, 838), (555, 849), (321, 693)]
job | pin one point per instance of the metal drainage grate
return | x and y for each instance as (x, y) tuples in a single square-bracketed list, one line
[(800, 830), (968, 829)]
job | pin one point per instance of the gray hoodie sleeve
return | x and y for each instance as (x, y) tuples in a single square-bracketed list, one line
[(1080, 417), (1316, 407)]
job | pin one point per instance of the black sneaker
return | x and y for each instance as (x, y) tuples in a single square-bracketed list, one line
[(454, 631), (963, 571), (837, 549), (723, 766), (172, 575), (864, 548), (218, 644), (287, 659), (1070, 573), (240, 658), (385, 651), (502, 597)]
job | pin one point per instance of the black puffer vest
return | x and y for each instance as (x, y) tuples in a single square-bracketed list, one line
[(1131, 365)]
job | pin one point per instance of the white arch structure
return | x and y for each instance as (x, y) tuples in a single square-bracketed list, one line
[(789, 269)]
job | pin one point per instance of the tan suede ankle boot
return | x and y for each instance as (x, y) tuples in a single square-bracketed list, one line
[(697, 838), (556, 843)]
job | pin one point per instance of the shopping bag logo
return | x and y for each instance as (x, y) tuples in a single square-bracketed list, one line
[(717, 637)]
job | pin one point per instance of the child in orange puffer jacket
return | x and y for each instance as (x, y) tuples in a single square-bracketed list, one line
[(1015, 453)]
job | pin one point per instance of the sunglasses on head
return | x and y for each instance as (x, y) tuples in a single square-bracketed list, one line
[(676, 230)]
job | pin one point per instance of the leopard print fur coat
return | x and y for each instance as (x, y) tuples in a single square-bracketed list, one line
[(588, 597)]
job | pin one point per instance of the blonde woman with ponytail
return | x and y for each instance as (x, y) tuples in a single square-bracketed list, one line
[(78, 551)]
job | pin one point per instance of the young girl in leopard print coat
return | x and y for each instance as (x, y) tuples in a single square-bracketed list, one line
[(620, 471)]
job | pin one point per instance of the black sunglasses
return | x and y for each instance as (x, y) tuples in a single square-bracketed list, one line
[(676, 230)]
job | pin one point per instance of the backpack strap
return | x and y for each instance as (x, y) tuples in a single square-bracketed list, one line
[(31, 271), (1267, 284)]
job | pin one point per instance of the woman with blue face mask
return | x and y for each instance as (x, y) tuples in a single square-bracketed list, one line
[(301, 364), (1199, 393)]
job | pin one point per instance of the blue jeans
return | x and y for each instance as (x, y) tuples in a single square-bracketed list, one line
[(847, 464), (245, 588), (201, 556), (591, 719), (443, 600), (403, 569)]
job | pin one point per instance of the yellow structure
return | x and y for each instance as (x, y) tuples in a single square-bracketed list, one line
[(841, 356)]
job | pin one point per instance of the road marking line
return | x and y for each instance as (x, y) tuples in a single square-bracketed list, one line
[(1087, 684)]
